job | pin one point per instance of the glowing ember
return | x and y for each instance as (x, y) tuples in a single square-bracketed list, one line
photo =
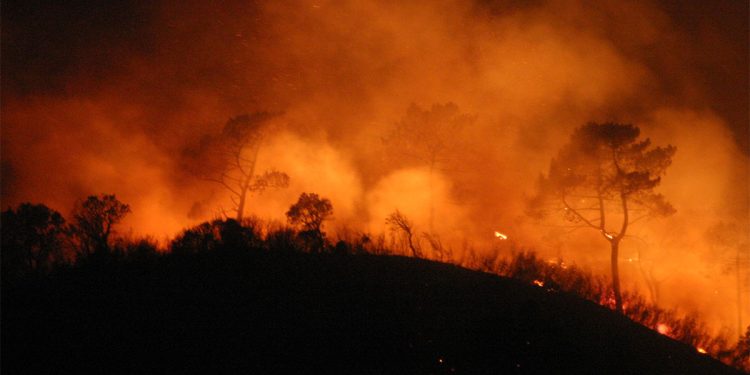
[(701, 350), (539, 283), (662, 328), (607, 301), (500, 236)]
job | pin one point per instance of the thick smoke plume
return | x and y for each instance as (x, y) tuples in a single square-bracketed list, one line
[(117, 112)]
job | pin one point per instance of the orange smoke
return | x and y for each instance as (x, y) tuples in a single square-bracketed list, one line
[(116, 115)]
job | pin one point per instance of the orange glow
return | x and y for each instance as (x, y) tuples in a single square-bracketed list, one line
[(663, 329), (539, 283), (500, 236), (557, 262), (701, 350), (529, 76)]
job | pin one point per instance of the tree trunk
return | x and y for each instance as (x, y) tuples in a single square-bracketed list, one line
[(246, 184), (414, 251), (616, 275), (241, 204)]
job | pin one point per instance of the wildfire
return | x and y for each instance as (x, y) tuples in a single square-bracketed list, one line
[(539, 283), (608, 301), (500, 236), (557, 263), (701, 350), (662, 328)]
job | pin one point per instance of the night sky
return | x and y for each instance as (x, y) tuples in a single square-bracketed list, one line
[(48, 44)]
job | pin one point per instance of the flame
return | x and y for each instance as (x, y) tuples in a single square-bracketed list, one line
[(662, 328), (500, 236), (607, 301), (701, 350), (367, 109), (557, 263), (539, 283)]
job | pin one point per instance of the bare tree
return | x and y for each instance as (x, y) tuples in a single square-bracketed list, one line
[(231, 159), (398, 223), (439, 251), (429, 137), (604, 177)]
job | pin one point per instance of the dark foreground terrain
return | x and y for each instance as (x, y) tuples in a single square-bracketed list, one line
[(262, 313)]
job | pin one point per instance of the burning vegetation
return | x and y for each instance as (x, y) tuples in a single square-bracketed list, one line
[(424, 125), (38, 243)]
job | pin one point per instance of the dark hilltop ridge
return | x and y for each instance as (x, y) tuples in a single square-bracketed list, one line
[(286, 312)]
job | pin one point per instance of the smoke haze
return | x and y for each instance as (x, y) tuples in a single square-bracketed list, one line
[(108, 99)]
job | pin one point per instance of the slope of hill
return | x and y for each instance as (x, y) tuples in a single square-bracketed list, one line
[(231, 312)]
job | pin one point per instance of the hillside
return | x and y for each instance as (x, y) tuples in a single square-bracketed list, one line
[(260, 312)]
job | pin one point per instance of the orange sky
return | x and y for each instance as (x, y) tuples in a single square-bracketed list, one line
[(108, 98)]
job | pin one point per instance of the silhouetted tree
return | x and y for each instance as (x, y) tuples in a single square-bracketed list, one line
[(142, 250), (741, 353), (430, 137), (192, 240), (398, 223), (94, 220), (603, 177), (310, 211), (283, 239), (32, 237), (731, 241), (235, 236), (308, 214), (231, 159), (215, 235)]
